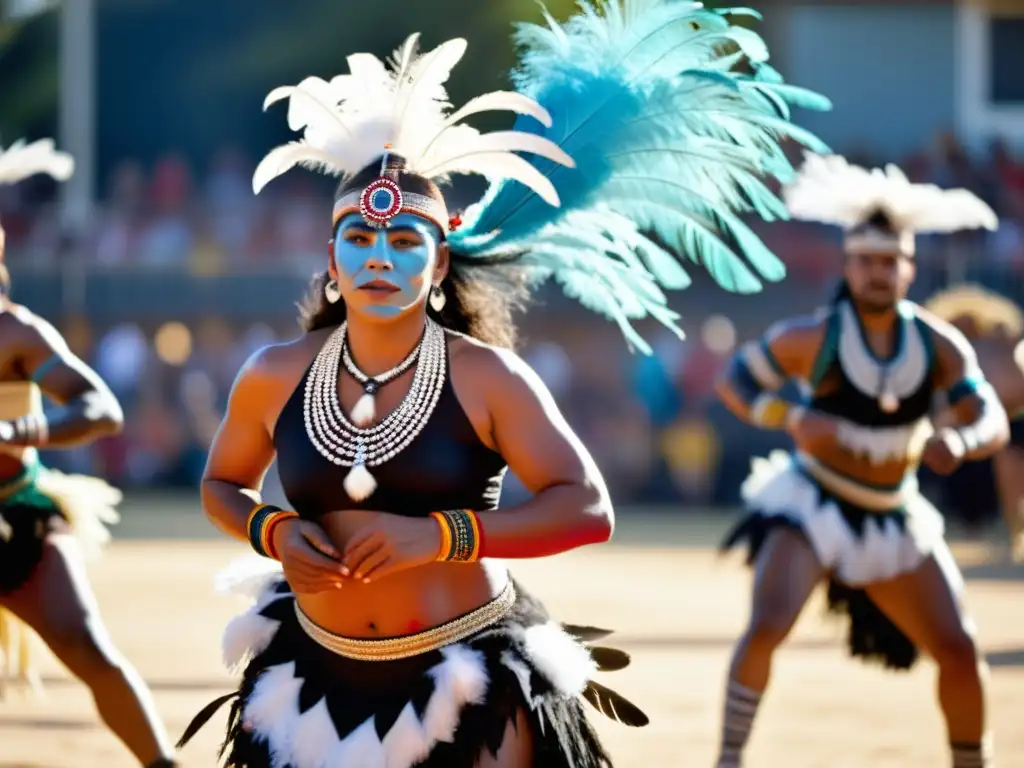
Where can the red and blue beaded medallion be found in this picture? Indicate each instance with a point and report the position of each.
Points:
(380, 202)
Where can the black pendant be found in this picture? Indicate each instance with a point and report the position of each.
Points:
(370, 386)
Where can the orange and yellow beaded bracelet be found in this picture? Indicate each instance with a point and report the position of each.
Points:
(460, 536)
(260, 527)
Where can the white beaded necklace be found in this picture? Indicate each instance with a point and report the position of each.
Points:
(343, 443)
(365, 409)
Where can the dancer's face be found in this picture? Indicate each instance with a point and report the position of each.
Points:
(879, 280)
(386, 273)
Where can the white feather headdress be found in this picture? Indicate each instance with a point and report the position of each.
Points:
(831, 190)
(639, 141)
(402, 106)
(21, 160)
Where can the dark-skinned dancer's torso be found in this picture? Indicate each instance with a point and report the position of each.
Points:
(844, 505)
(50, 522)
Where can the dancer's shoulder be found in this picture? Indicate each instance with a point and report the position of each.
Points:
(948, 340)
(272, 372)
(488, 366)
(797, 332)
(21, 327)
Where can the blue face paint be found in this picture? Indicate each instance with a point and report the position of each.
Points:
(403, 256)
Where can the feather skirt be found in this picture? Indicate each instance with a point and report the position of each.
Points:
(33, 506)
(857, 546)
(302, 706)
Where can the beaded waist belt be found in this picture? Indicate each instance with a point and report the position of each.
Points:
(406, 646)
(871, 499)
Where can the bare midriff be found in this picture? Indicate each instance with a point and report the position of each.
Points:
(17, 399)
(403, 603)
(888, 474)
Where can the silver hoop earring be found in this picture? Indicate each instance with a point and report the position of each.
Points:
(437, 298)
(331, 291)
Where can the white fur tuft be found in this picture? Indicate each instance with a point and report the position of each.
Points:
(362, 747)
(560, 658)
(273, 711)
(834, 191)
(249, 633)
(364, 411)
(247, 576)
(22, 160)
(314, 737)
(459, 680)
(359, 483)
(407, 742)
(310, 740)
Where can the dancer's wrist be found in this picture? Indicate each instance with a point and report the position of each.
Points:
(279, 533)
(460, 536)
(772, 412)
(264, 526)
(32, 430)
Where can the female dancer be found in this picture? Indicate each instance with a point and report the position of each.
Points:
(49, 520)
(995, 327)
(389, 640)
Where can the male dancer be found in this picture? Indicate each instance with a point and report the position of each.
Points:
(845, 505)
(995, 326)
(49, 520)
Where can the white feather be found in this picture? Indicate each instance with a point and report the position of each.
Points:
(248, 576)
(347, 122)
(497, 141)
(272, 709)
(501, 101)
(21, 160)
(314, 737)
(560, 658)
(286, 157)
(498, 164)
(831, 190)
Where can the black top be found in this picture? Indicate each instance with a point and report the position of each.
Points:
(445, 467)
(835, 394)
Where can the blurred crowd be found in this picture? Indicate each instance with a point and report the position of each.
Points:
(650, 421)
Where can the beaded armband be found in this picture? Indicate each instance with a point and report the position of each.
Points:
(460, 536)
(260, 528)
(771, 411)
(32, 430)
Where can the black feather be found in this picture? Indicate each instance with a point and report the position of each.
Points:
(585, 633)
(608, 659)
(203, 717)
(614, 705)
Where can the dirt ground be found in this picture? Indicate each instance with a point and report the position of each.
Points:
(677, 610)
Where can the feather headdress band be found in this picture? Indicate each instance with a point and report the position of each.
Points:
(833, 191)
(641, 149)
(21, 160)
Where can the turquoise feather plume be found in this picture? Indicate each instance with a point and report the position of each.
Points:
(671, 148)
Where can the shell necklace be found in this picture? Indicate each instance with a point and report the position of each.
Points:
(345, 444)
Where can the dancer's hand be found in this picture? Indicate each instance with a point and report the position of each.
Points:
(310, 562)
(813, 431)
(391, 543)
(944, 451)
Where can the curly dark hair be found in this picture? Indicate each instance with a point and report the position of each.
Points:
(480, 294)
